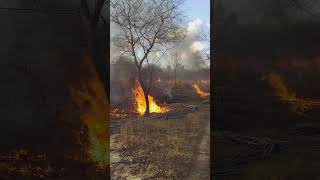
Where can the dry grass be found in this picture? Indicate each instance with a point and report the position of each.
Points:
(162, 149)
(283, 168)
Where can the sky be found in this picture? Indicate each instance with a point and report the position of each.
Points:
(198, 18)
(198, 9)
(197, 13)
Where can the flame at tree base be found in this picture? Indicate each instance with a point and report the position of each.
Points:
(140, 103)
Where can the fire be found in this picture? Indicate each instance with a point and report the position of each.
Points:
(297, 104)
(199, 91)
(118, 113)
(25, 163)
(92, 100)
(141, 104)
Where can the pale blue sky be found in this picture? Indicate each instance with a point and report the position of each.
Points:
(198, 9)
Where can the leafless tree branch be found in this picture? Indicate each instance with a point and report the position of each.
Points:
(146, 27)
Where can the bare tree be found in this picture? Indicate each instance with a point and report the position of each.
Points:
(146, 27)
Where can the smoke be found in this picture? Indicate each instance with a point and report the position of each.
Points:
(168, 92)
(122, 72)
(194, 27)
(115, 52)
(190, 49)
(122, 78)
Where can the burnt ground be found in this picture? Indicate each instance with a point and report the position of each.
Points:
(162, 146)
(256, 136)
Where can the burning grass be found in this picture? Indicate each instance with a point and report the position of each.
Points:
(21, 162)
(161, 149)
(116, 113)
(199, 91)
(92, 101)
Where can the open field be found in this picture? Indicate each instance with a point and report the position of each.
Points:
(163, 147)
(258, 135)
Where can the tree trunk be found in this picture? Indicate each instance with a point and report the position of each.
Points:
(145, 93)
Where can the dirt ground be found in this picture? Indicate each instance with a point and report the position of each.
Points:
(165, 146)
(256, 136)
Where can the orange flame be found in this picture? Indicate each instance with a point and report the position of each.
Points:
(297, 104)
(199, 91)
(141, 104)
(92, 100)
